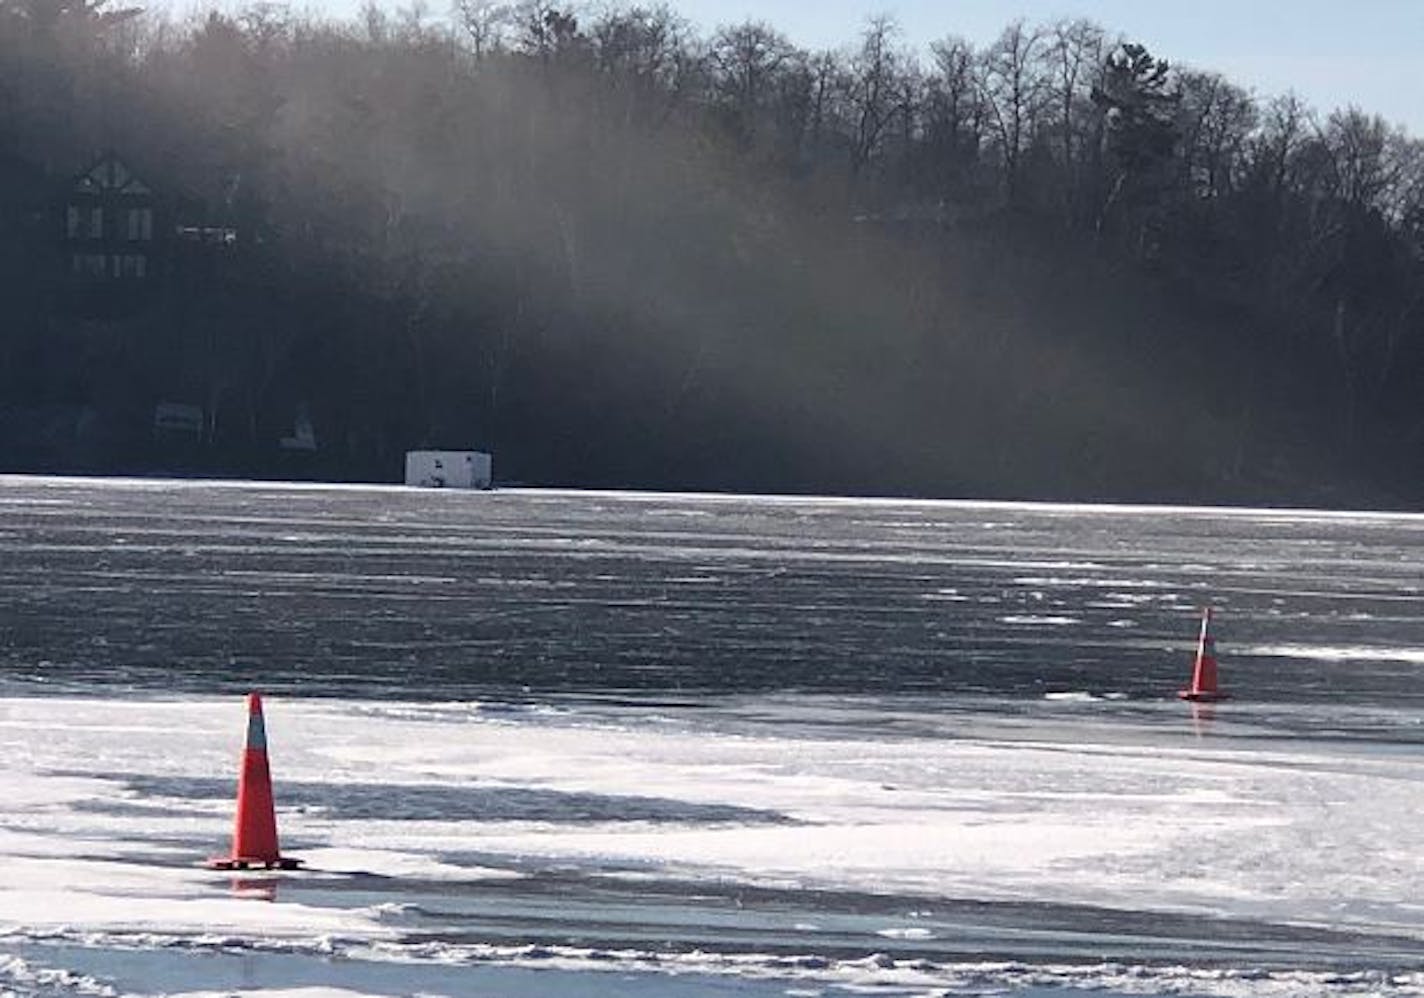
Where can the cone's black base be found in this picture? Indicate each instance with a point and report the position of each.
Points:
(239, 863)
(1203, 696)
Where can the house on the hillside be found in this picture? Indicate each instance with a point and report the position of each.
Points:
(111, 227)
(137, 268)
(121, 238)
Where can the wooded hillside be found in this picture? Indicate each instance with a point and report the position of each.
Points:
(617, 252)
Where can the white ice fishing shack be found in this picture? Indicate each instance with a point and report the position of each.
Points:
(448, 469)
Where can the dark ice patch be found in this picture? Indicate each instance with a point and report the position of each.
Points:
(434, 802)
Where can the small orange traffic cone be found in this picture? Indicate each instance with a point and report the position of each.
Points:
(1203, 685)
(254, 834)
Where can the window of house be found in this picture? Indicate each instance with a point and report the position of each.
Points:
(96, 223)
(140, 224)
(71, 222)
(132, 266)
(89, 265)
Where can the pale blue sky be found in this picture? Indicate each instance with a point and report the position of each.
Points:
(1331, 52)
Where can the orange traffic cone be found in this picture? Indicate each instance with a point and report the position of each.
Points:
(1203, 685)
(254, 835)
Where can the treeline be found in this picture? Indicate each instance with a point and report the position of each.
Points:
(616, 251)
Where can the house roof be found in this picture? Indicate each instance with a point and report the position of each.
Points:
(109, 174)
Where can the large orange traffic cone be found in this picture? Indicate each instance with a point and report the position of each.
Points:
(254, 834)
(1203, 685)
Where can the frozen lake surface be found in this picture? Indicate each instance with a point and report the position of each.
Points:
(541, 743)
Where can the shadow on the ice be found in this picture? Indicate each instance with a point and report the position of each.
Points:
(431, 802)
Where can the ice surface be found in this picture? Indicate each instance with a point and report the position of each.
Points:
(576, 743)
(1324, 836)
(1328, 653)
(273, 993)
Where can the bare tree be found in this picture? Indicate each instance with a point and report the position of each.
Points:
(1218, 119)
(1013, 90)
(878, 88)
(827, 81)
(1360, 170)
(1404, 200)
(648, 55)
(953, 114)
(487, 23)
(1285, 126)
(1073, 57)
(745, 60)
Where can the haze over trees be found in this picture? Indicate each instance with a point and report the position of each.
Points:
(616, 251)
